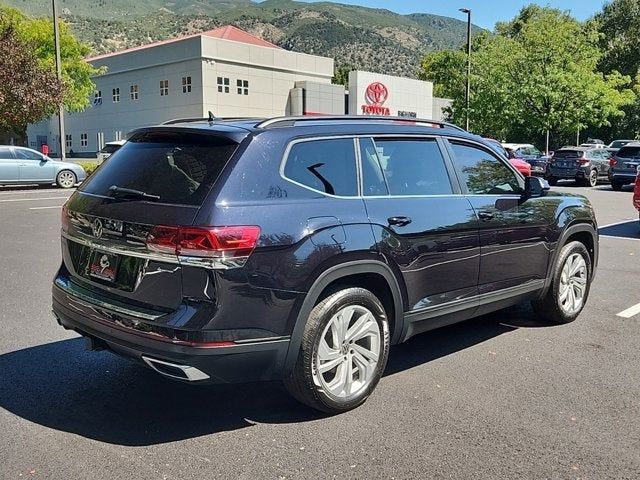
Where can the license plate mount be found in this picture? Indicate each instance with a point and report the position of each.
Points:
(103, 266)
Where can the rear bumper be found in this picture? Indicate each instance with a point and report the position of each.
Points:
(622, 177)
(246, 361)
(567, 173)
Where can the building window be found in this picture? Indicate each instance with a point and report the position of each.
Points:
(83, 140)
(68, 140)
(243, 87)
(133, 92)
(223, 85)
(164, 88)
(97, 97)
(186, 84)
(116, 95)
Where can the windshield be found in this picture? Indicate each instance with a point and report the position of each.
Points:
(177, 167)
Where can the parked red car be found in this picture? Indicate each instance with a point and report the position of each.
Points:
(522, 166)
(636, 193)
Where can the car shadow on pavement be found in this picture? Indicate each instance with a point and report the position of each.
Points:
(106, 398)
(630, 229)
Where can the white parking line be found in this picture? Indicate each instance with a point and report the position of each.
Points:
(630, 312)
(44, 208)
(33, 199)
(34, 192)
(617, 223)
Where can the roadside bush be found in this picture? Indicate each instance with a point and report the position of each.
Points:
(89, 167)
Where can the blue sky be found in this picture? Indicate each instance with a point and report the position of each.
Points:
(485, 12)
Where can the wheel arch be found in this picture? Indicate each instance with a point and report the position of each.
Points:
(344, 275)
(583, 232)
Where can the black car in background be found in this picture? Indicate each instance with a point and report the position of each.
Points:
(585, 165)
(624, 166)
(301, 248)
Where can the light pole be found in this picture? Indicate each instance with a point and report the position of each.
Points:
(56, 37)
(468, 93)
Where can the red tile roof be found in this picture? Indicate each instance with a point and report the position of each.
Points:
(237, 35)
(227, 32)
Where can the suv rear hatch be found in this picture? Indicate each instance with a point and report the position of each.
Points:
(626, 160)
(161, 176)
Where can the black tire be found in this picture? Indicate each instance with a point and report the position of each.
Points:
(616, 186)
(548, 307)
(553, 181)
(301, 383)
(66, 179)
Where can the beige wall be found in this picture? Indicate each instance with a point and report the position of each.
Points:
(271, 74)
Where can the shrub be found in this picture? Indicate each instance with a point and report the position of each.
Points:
(89, 167)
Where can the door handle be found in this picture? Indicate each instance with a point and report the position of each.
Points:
(399, 221)
(485, 215)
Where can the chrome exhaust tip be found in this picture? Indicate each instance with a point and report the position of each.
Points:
(174, 370)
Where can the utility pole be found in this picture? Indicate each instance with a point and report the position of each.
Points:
(468, 93)
(56, 36)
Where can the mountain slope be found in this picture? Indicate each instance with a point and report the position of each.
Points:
(364, 38)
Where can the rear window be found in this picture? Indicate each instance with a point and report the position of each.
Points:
(569, 154)
(179, 168)
(629, 152)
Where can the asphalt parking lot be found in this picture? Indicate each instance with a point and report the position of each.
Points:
(502, 396)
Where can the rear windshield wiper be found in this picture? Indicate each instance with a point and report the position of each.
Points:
(121, 192)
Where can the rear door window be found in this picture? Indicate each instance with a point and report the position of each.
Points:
(180, 168)
(326, 165)
(409, 166)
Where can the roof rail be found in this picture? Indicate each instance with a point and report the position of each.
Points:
(208, 119)
(293, 120)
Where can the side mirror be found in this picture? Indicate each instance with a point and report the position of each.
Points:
(535, 187)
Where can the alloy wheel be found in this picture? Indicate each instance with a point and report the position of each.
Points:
(573, 284)
(348, 352)
(66, 179)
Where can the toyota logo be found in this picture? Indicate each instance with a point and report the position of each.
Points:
(96, 228)
(376, 93)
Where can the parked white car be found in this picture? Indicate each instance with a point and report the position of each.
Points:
(109, 149)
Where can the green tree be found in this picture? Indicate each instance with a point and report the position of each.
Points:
(537, 73)
(28, 91)
(619, 26)
(341, 76)
(77, 73)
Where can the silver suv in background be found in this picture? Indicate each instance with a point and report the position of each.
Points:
(24, 166)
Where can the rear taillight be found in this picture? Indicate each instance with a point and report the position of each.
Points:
(64, 218)
(208, 242)
(613, 161)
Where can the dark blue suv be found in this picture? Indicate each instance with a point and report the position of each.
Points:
(301, 248)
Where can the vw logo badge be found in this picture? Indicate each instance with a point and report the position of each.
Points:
(96, 228)
(376, 93)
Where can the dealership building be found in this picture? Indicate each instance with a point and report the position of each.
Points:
(231, 73)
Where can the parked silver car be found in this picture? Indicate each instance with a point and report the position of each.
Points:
(20, 165)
